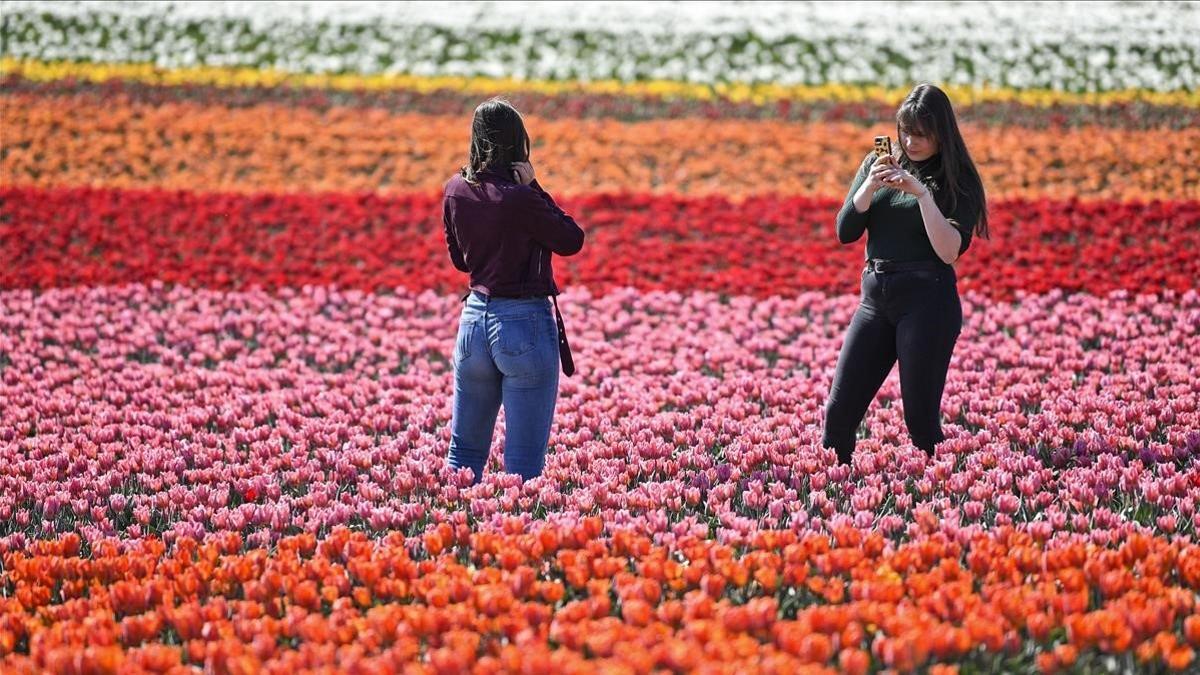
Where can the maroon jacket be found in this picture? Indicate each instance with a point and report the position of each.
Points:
(502, 233)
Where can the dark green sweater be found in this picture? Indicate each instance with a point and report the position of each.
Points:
(895, 230)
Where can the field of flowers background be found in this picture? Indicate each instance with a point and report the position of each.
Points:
(226, 314)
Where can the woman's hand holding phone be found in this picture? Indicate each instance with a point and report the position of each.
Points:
(883, 168)
(523, 172)
(887, 172)
(894, 176)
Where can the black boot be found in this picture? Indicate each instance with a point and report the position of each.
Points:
(845, 456)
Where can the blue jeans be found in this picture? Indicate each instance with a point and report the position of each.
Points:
(506, 353)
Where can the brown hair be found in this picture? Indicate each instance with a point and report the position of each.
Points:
(498, 139)
(927, 110)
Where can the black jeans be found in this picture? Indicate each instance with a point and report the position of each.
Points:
(914, 316)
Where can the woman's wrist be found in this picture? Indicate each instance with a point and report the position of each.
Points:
(862, 198)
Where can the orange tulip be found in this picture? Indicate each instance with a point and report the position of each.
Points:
(103, 660)
(449, 661)
(306, 595)
(736, 619)
(186, 621)
(678, 655)
(835, 591)
(636, 612)
(713, 585)
(1039, 625)
(670, 612)
(767, 578)
(1191, 630)
(854, 661)
(592, 526)
(1180, 659)
(816, 648)
(1047, 663)
(600, 644)
(1066, 655)
(852, 635)
(361, 597)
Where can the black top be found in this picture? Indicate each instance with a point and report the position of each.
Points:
(502, 234)
(895, 228)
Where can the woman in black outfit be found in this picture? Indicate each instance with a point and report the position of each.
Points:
(920, 207)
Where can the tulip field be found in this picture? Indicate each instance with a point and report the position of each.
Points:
(227, 317)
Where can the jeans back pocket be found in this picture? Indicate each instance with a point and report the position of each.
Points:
(516, 335)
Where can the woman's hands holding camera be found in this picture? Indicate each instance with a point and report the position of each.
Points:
(523, 172)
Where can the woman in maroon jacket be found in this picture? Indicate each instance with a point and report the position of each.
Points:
(501, 228)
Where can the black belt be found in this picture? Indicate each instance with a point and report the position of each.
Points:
(878, 266)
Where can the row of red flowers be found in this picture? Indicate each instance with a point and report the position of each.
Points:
(555, 598)
(760, 247)
(1131, 115)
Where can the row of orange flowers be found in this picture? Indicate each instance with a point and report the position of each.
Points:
(559, 599)
(68, 140)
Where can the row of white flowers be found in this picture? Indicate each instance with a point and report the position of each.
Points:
(1073, 46)
(1085, 21)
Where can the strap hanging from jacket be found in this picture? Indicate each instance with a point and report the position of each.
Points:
(564, 347)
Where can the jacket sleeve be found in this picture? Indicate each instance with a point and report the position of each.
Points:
(850, 223)
(545, 222)
(456, 255)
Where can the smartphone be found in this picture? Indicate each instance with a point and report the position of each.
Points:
(883, 146)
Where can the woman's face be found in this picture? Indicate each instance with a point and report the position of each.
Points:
(917, 146)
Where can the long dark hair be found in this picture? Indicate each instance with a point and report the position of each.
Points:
(498, 138)
(927, 110)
